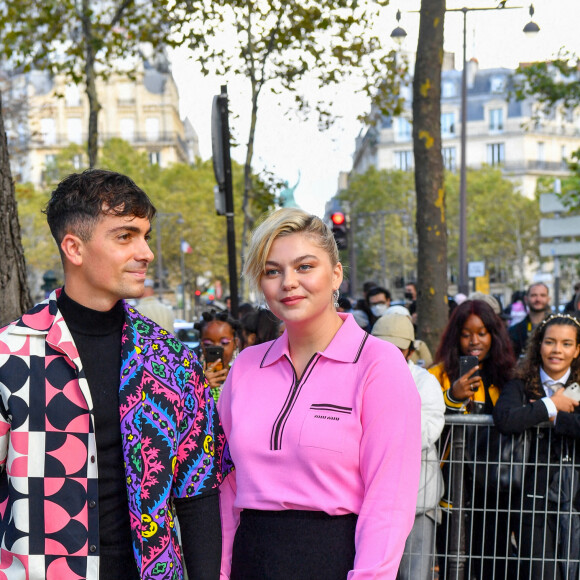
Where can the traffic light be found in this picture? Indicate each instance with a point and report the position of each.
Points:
(339, 229)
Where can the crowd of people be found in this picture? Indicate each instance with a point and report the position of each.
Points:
(306, 441)
(507, 345)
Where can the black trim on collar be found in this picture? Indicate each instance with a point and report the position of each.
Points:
(267, 352)
(360, 348)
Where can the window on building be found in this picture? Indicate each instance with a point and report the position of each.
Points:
(404, 160)
(77, 161)
(155, 157)
(448, 89)
(541, 153)
(450, 158)
(48, 131)
(407, 93)
(126, 93)
(402, 128)
(496, 153)
(564, 156)
(152, 129)
(74, 130)
(72, 95)
(50, 172)
(127, 128)
(496, 120)
(447, 124)
(497, 84)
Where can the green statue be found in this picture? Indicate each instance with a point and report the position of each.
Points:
(287, 194)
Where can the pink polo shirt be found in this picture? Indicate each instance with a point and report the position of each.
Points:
(344, 438)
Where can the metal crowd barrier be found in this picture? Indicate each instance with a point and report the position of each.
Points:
(502, 516)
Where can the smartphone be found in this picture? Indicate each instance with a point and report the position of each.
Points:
(573, 391)
(213, 353)
(466, 363)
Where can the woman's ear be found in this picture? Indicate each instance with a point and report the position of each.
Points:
(251, 339)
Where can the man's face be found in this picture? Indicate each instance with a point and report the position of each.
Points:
(538, 298)
(379, 299)
(112, 264)
(411, 292)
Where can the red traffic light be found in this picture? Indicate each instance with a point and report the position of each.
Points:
(198, 292)
(337, 218)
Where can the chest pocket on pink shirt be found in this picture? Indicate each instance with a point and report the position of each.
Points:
(324, 427)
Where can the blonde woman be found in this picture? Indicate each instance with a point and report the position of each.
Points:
(323, 423)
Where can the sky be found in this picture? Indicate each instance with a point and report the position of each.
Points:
(290, 146)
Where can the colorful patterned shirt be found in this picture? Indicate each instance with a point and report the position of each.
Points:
(173, 447)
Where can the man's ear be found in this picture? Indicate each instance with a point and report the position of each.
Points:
(71, 247)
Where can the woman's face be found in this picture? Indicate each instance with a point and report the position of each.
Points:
(219, 333)
(299, 279)
(558, 349)
(474, 338)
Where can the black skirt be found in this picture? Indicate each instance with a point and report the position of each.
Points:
(293, 545)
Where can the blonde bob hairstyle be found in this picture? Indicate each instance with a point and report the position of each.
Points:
(280, 223)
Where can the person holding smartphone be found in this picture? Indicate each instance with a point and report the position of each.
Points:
(324, 425)
(474, 330)
(542, 390)
(219, 335)
(476, 334)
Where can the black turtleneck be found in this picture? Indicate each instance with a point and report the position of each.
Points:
(97, 336)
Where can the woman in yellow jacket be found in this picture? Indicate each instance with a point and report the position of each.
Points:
(475, 329)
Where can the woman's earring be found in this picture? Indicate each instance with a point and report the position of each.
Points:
(335, 295)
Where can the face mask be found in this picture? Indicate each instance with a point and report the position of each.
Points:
(379, 309)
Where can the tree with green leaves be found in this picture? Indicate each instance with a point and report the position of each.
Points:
(505, 240)
(555, 86)
(381, 207)
(13, 283)
(82, 40)
(279, 43)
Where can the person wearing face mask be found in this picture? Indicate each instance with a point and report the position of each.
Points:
(411, 300)
(378, 300)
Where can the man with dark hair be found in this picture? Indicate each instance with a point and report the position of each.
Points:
(411, 299)
(378, 300)
(107, 428)
(538, 304)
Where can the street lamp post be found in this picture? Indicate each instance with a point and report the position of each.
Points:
(463, 281)
(399, 34)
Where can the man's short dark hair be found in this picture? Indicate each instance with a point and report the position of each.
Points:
(79, 201)
(369, 286)
(537, 284)
(379, 290)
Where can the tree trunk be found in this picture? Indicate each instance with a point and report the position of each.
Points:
(13, 285)
(91, 86)
(431, 227)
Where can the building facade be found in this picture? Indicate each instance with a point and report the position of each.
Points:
(51, 113)
(500, 131)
